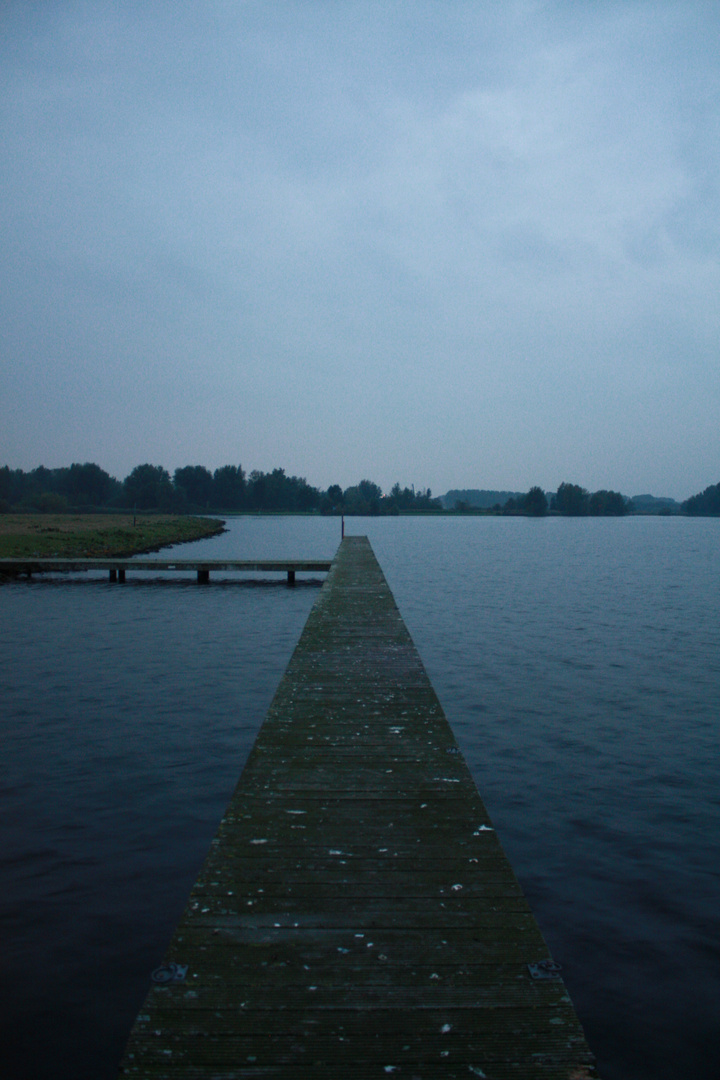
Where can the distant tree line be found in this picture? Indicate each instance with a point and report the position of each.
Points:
(195, 489)
(706, 503)
(571, 500)
(55, 490)
(575, 501)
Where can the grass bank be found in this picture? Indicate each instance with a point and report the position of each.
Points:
(97, 536)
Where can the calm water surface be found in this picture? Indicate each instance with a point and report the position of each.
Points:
(578, 662)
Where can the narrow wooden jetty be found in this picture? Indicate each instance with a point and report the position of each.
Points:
(356, 916)
(117, 568)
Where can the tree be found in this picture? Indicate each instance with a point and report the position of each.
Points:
(571, 499)
(276, 491)
(197, 483)
(306, 497)
(363, 499)
(706, 503)
(535, 502)
(370, 491)
(408, 499)
(257, 490)
(12, 485)
(88, 485)
(229, 491)
(148, 487)
(42, 479)
(607, 504)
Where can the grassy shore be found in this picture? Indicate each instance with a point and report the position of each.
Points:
(97, 536)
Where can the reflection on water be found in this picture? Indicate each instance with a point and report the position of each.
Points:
(578, 661)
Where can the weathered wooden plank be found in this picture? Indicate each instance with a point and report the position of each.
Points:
(404, 947)
(351, 1060)
(356, 915)
(375, 1016)
(279, 892)
(353, 1065)
(355, 970)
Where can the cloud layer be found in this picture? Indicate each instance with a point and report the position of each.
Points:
(455, 245)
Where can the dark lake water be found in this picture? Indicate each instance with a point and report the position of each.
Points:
(578, 662)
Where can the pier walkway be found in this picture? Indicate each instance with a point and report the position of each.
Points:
(356, 916)
(117, 568)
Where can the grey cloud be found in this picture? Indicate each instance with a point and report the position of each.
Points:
(364, 237)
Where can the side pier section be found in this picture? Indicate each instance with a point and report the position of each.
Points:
(356, 916)
(117, 568)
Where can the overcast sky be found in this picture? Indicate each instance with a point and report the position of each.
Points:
(455, 244)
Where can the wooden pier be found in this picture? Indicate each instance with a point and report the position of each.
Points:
(117, 568)
(356, 916)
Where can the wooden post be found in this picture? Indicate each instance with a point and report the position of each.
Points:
(113, 575)
(203, 577)
(291, 577)
(121, 575)
(342, 528)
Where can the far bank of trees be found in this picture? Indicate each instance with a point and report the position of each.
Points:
(56, 490)
(570, 500)
(574, 501)
(195, 489)
(706, 503)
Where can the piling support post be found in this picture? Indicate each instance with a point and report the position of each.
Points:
(113, 575)
(121, 575)
(291, 577)
(203, 577)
